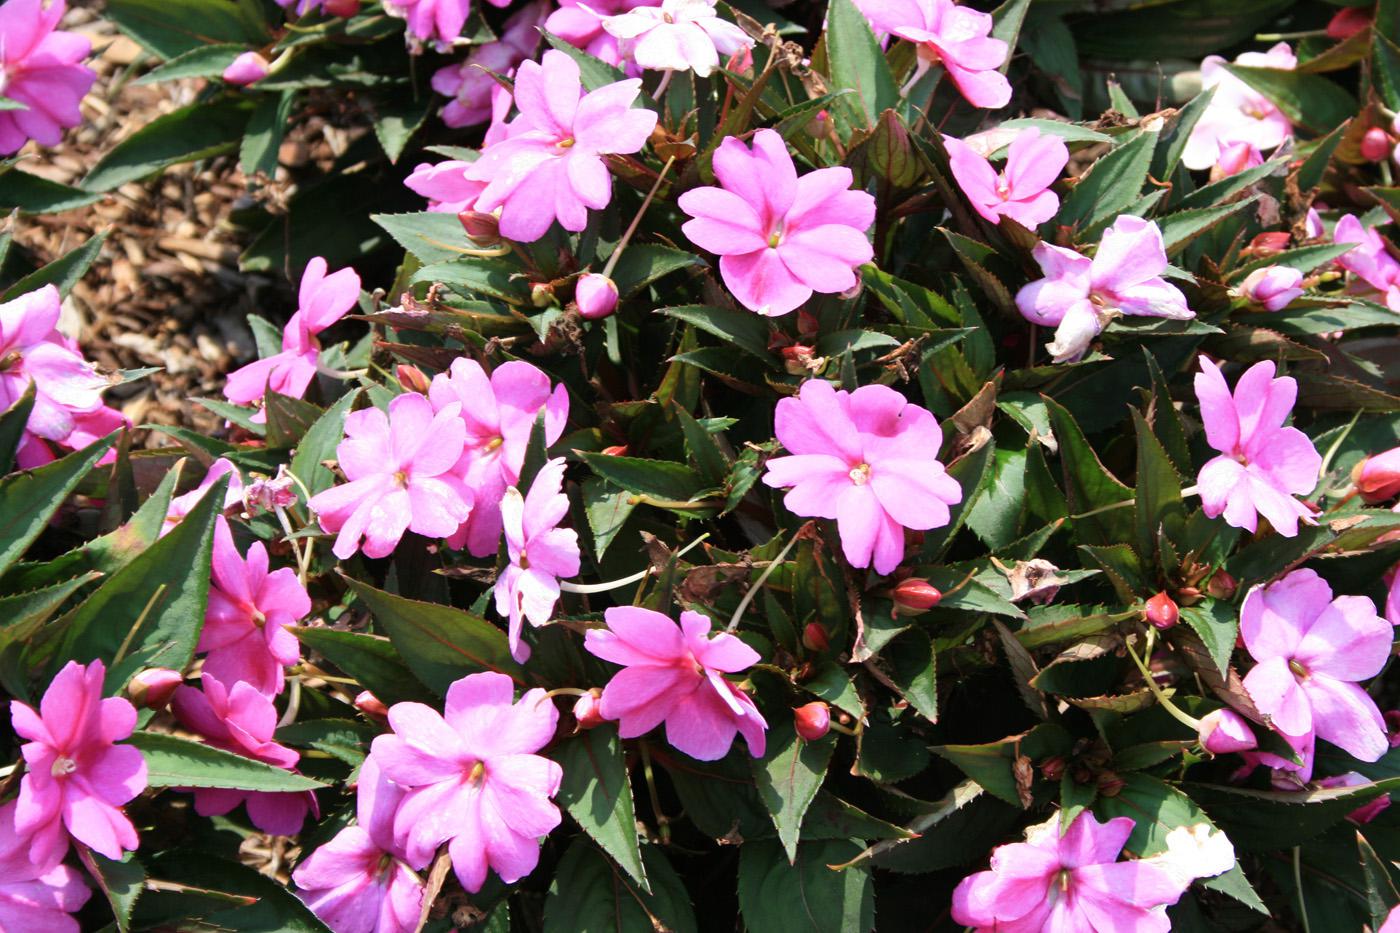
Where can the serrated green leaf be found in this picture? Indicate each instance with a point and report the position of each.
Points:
(1261, 821)
(1309, 100)
(805, 896)
(1114, 182)
(788, 776)
(431, 236)
(704, 452)
(206, 61)
(288, 419)
(644, 263)
(473, 275)
(171, 28)
(745, 330)
(13, 421)
(660, 478)
(914, 671)
(176, 762)
(63, 273)
(1089, 486)
(120, 882)
(857, 62)
(319, 443)
(1218, 625)
(370, 659)
(28, 499)
(197, 131)
(587, 895)
(598, 795)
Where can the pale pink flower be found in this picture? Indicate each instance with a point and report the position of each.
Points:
(76, 777)
(1223, 731)
(446, 185)
(1239, 123)
(1392, 919)
(541, 553)
(1235, 158)
(956, 37)
(1262, 464)
(438, 22)
(248, 68)
(595, 295)
(675, 674)
(1273, 287)
(1369, 260)
(247, 625)
(1079, 296)
(1022, 190)
(358, 882)
(1071, 883)
(581, 25)
(678, 35)
(779, 237)
(472, 779)
(551, 167)
(869, 460)
(182, 505)
(322, 300)
(270, 493)
(1312, 649)
(472, 89)
(1367, 811)
(499, 412)
(40, 68)
(35, 898)
(399, 468)
(242, 721)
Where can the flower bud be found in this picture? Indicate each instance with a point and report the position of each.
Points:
(1223, 731)
(1162, 611)
(1377, 478)
(482, 229)
(616, 450)
(1221, 585)
(916, 595)
(153, 687)
(1347, 22)
(371, 706)
(1375, 145)
(596, 296)
(1268, 243)
(246, 69)
(1053, 768)
(813, 720)
(1235, 159)
(412, 378)
(814, 637)
(798, 360)
(1273, 287)
(819, 127)
(542, 295)
(588, 710)
(1110, 784)
(342, 8)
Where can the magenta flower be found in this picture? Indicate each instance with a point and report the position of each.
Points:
(1273, 288)
(956, 37)
(399, 468)
(551, 167)
(1238, 120)
(77, 778)
(40, 68)
(1022, 190)
(446, 185)
(322, 300)
(35, 898)
(869, 460)
(677, 35)
(1392, 598)
(1079, 296)
(1262, 464)
(1223, 731)
(182, 505)
(472, 778)
(1369, 260)
(474, 93)
(499, 412)
(541, 553)
(1072, 883)
(358, 882)
(247, 626)
(437, 21)
(674, 674)
(242, 720)
(248, 68)
(1312, 649)
(779, 237)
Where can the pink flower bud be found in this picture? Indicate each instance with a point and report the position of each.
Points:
(342, 8)
(153, 687)
(1162, 611)
(1224, 731)
(1375, 145)
(1367, 811)
(1273, 287)
(616, 450)
(916, 595)
(412, 378)
(482, 229)
(1269, 242)
(1347, 22)
(1377, 477)
(813, 720)
(596, 296)
(588, 710)
(1221, 585)
(814, 637)
(246, 69)
(371, 706)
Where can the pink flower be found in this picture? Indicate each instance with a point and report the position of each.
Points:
(247, 626)
(596, 295)
(1367, 811)
(1392, 604)
(1312, 649)
(35, 898)
(1262, 464)
(1239, 123)
(446, 185)
(471, 778)
(1022, 191)
(1272, 287)
(1072, 883)
(499, 412)
(39, 68)
(551, 167)
(867, 459)
(1079, 296)
(248, 68)
(358, 882)
(437, 21)
(474, 92)
(1392, 919)
(581, 25)
(1377, 477)
(399, 468)
(673, 674)
(77, 778)
(678, 35)
(1369, 260)
(182, 505)
(1224, 731)
(540, 552)
(242, 720)
(322, 300)
(779, 237)
(956, 37)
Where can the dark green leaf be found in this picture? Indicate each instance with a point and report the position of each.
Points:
(32, 194)
(29, 499)
(174, 762)
(588, 895)
(857, 62)
(744, 329)
(121, 882)
(473, 275)
(432, 236)
(598, 795)
(266, 129)
(13, 421)
(1265, 820)
(371, 660)
(1309, 100)
(805, 896)
(185, 135)
(660, 478)
(170, 28)
(319, 442)
(1114, 182)
(788, 776)
(644, 263)
(63, 273)
(206, 61)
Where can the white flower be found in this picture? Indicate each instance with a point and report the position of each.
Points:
(679, 35)
(1197, 851)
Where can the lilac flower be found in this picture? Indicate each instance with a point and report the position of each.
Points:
(40, 68)
(674, 675)
(551, 167)
(1273, 288)
(1312, 649)
(1022, 190)
(472, 89)
(956, 37)
(1262, 464)
(35, 898)
(1238, 120)
(541, 553)
(779, 237)
(867, 459)
(471, 778)
(677, 35)
(1079, 296)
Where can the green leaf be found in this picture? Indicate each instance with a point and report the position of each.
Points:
(644, 263)
(31, 194)
(1155, 807)
(222, 895)
(913, 671)
(991, 764)
(1218, 624)
(175, 762)
(1381, 895)
(588, 895)
(1308, 100)
(788, 777)
(430, 236)
(1180, 228)
(1113, 183)
(857, 62)
(1158, 495)
(288, 419)
(121, 882)
(660, 478)
(371, 660)
(63, 273)
(319, 443)
(257, 153)
(473, 275)
(805, 896)
(1172, 143)
(1314, 167)
(745, 330)
(398, 113)
(343, 739)
(207, 61)
(972, 472)
(439, 644)
(170, 28)
(13, 421)
(185, 135)
(1087, 484)
(594, 72)
(704, 452)
(598, 795)
(29, 499)
(608, 509)
(1262, 821)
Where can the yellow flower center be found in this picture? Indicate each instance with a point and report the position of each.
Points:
(860, 475)
(62, 767)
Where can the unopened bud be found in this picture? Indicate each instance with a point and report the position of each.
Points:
(1375, 145)
(153, 687)
(246, 69)
(1347, 22)
(412, 378)
(1162, 611)
(1268, 243)
(482, 229)
(542, 295)
(1224, 731)
(1053, 768)
(813, 721)
(916, 595)
(814, 637)
(819, 127)
(1221, 585)
(588, 710)
(595, 295)
(1377, 478)
(342, 8)
(371, 706)
(1273, 288)
(1109, 784)
(616, 450)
